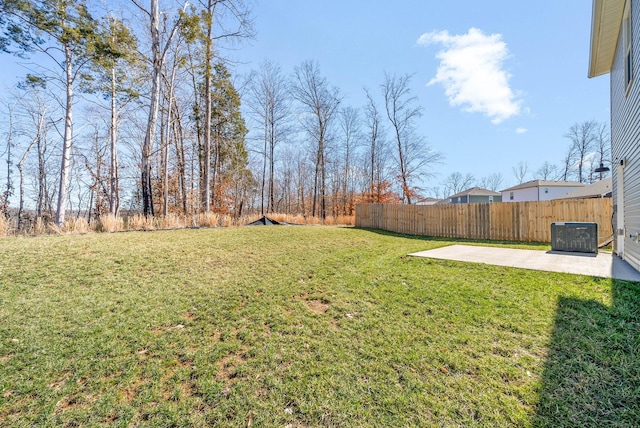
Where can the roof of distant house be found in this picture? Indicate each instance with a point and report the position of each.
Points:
(544, 183)
(475, 191)
(599, 189)
(428, 201)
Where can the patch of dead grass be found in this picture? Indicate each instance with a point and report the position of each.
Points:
(317, 306)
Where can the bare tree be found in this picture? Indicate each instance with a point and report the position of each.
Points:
(456, 182)
(547, 171)
(413, 155)
(166, 127)
(37, 110)
(582, 137)
(491, 182)
(350, 127)
(65, 32)
(320, 104)
(568, 162)
(115, 78)
(376, 151)
(436, 192)
(159, 49)
(11, 131)
(521, 171)
(269, 105)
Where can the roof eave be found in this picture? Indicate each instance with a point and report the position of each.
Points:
(606, 20)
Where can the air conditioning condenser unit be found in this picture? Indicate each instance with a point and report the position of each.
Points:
(579, 237)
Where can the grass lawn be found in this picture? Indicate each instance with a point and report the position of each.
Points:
(304, 326)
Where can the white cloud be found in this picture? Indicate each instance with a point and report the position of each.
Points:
(471, 71)
(521, 130)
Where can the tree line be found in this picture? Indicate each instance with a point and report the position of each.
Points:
(588, 150)
(134, 108)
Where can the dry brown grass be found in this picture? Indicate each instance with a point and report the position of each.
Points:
(300, 219)
(227, 221)
(6, 226)
(172, 221)
(40, 227)
(246, 219)
(140, 222)
(205, 220)
(78, 225)
(110, 223)
(347, 220)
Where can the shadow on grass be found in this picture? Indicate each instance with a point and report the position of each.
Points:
(541, 245)
(592, 374)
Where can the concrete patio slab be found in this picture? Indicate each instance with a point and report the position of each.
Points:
(604, 265)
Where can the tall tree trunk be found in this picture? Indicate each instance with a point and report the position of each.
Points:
(147, 189)
(9, 188)
(20, 165)
(264, 171)
(42, 181)
(403, 173)
(68, 135)
(206, 200)
(197, 109)
(164, 157)
(315, 185)
(114, 194)
(272, 145)
(179, 141)
(323, 202)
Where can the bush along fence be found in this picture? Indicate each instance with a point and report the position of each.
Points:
(506, 221)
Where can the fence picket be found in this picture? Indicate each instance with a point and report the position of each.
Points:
(509, 221)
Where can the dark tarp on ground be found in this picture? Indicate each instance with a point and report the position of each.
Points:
(263, 221)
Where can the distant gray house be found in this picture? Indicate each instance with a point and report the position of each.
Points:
(615, 50)
(539, 190)
(475, 195)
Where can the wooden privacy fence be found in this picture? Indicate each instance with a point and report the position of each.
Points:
(505, 221)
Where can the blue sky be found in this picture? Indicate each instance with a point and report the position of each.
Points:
(527, 62)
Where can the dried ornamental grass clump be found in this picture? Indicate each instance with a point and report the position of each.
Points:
(6, 225)
(206, 220)
(226, 221)
(172, 221)
(140, 222)
(110, 223)
(78, 225)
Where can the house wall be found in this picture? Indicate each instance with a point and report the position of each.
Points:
(537, 194)
(521, 195)
(625, 140)
(555, 192)
(478, 199)
(460, 200)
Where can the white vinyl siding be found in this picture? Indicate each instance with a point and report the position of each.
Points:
(625, 137)
(627, 41)
(536, 194)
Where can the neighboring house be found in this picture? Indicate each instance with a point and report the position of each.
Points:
(599, 189)
(539, 190)
(475, 195)
(428, 201)
(615, 49)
